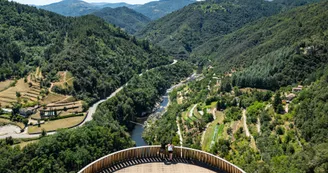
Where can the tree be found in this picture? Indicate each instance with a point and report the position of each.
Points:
(25, 122)
(43, 133)
(9, 140)
(276, 102)
(18, 94)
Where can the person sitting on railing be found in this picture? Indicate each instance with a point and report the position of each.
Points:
(170, 149)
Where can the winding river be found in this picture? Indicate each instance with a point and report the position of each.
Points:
(136, 134)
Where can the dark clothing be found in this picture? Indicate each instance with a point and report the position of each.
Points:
(162, 149)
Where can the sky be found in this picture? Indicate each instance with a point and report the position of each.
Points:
(44, 2)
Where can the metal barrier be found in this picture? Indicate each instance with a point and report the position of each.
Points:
(153, 151)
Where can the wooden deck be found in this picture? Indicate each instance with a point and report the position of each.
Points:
(163, 168)
(157, 165)
(147, 159)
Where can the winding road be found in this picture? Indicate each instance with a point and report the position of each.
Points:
(89, 117)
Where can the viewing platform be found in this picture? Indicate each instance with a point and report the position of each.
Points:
(147, 159)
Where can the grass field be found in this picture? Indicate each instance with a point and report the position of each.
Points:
(52, 97)
(5, 84)
(211, 106)
(211, 130)
(57, 124)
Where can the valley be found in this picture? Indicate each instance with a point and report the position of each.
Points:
(244, 82)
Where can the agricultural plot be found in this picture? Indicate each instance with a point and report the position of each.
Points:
(214, 131)
(8, 96)
(5, 84)
(57, 124)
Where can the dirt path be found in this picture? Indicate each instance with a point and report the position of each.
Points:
(179, 132)
(192, 110)
(287, 108)
(213, 112)
(204, 132)
(258, 125)
(245, 123)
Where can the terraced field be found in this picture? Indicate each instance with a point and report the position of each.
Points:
(9, 95)
(5, 84)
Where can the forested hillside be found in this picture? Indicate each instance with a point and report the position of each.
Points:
(231, 114)
(100, 56)
(276, 51)
(181, 32)
(129, 20)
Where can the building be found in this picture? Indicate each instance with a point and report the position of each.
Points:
(298, 88)
(26, 112)
(290, 97)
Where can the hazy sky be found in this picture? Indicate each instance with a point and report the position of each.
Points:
(44, 2)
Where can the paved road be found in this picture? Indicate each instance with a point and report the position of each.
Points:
(89, 117)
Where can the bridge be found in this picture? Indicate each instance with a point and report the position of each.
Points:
(147, 159)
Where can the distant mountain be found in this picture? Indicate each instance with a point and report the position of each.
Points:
(182, 31)
(157, 9)
(153, 10)
(115, 13)
(71, 7)
(130, 20)
(113, 5)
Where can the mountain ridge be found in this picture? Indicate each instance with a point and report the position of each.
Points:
(124, 17)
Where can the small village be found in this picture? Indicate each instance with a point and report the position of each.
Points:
(27, 104)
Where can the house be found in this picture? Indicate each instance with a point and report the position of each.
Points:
(47, 114)
(26, 112)
(290, 97)
(298, 88)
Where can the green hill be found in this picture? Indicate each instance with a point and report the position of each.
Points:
(276, 51)
(181, 32)
(130, 20)
(100, 56)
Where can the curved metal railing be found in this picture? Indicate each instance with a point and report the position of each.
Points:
(153, 151)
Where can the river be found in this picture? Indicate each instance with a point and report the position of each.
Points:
(136, 133)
